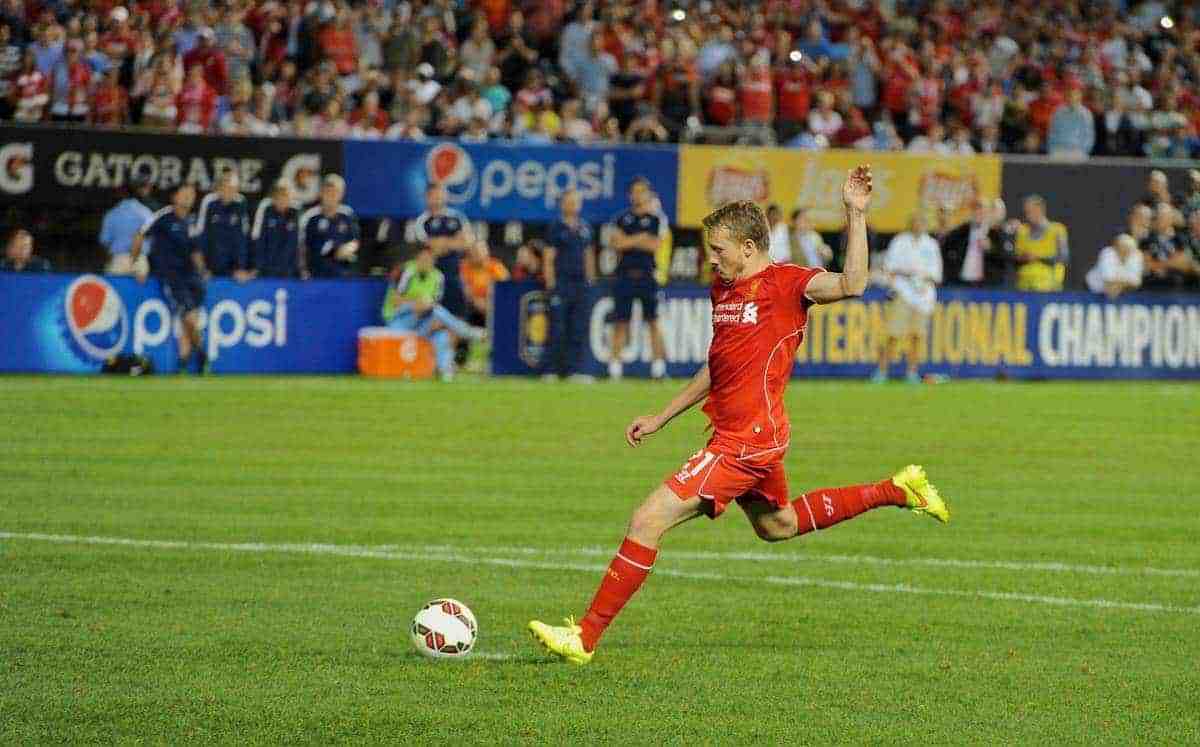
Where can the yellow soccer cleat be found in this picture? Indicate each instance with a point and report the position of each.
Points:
(564, 641)
(923, 497)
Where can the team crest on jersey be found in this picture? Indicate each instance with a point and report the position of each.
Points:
(323, 224)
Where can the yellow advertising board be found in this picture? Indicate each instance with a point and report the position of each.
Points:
(711, 175)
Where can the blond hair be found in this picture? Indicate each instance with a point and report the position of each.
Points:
(743, 219)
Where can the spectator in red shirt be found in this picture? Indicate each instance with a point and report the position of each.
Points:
(110, 102)
(756, 94)
(899, 72)
(196, 103)
(119, 41)
(31, 90)
(854, 128)
(70, 80)
(793, 90)
(677, 88)
(210, 60)
(720, 97)
(1042, 108)
(368, 120)
(337, 43)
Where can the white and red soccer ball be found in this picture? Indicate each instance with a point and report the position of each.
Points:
(444, 629)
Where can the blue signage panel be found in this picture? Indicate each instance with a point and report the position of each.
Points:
(972, 334)
(72, 323)
(503, 182)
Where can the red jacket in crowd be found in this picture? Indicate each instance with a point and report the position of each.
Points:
(195, 105)
(216, 71)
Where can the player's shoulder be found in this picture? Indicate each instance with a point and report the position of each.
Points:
(787, 276)
(346, 210)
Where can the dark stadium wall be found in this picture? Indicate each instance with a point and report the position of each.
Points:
(83, 167)
(1092, 199)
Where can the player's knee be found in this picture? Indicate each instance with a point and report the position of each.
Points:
(773, 532)
(645, 523)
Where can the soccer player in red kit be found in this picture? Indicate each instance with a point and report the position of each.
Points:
(759, 314)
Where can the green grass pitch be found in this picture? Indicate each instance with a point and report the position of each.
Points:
(277, 535)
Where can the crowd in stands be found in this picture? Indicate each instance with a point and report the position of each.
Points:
(1070, 77)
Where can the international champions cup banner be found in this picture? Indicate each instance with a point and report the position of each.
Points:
(72, 323)
(710, 176)
(973, 334)
(504, 182)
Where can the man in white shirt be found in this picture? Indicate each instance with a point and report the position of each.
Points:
(913, 263)
(1118, 269)
(780, 248)
(808, 248)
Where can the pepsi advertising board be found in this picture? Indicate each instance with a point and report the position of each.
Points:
(972, 334)
(503, 182)
(73, 323)
(84, 167)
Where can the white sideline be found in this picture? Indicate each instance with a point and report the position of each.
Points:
(808, 557)
(356, 551)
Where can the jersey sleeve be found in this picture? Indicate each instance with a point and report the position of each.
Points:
(794, 285)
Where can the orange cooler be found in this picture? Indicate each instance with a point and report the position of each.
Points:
(391, 353)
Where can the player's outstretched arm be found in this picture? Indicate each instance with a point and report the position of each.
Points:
(828, 287)
(644, 425)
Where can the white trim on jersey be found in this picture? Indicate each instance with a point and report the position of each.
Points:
(766, 390)
(259, 215)
(154, 218)
(305, 217)
(202, 215)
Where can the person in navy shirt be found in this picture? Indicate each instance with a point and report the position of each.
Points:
(178, 263)
(448, 233)
(636, 237)
(329, 234)
(224, 228)
(275, 235)
(570, 262)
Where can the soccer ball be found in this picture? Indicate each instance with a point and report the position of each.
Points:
(444, 629)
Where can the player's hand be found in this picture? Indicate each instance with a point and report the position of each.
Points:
(640, 428)
(856, 191)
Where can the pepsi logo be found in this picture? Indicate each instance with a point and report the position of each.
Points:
(449, 165)
(96, 316)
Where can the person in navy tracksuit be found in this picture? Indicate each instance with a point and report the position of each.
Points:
(275, 235)
(570, 267)
(448, 233)
(224, 228)
(177, 261)
(637, 235)
(329, 234)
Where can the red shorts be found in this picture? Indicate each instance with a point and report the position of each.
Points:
(719, 476)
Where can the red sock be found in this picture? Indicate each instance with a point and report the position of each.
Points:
(621, 581)
(820, 509)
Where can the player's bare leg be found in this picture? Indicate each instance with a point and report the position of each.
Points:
(658, 367)
(658, 514)
(820, 509)
(619, 336)
(886, 351)
(912, 352)
(190, 341)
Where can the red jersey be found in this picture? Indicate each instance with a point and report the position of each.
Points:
(758, 322)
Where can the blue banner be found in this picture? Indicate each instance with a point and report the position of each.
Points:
(72, 323)
(972, 334)
(503, 182)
